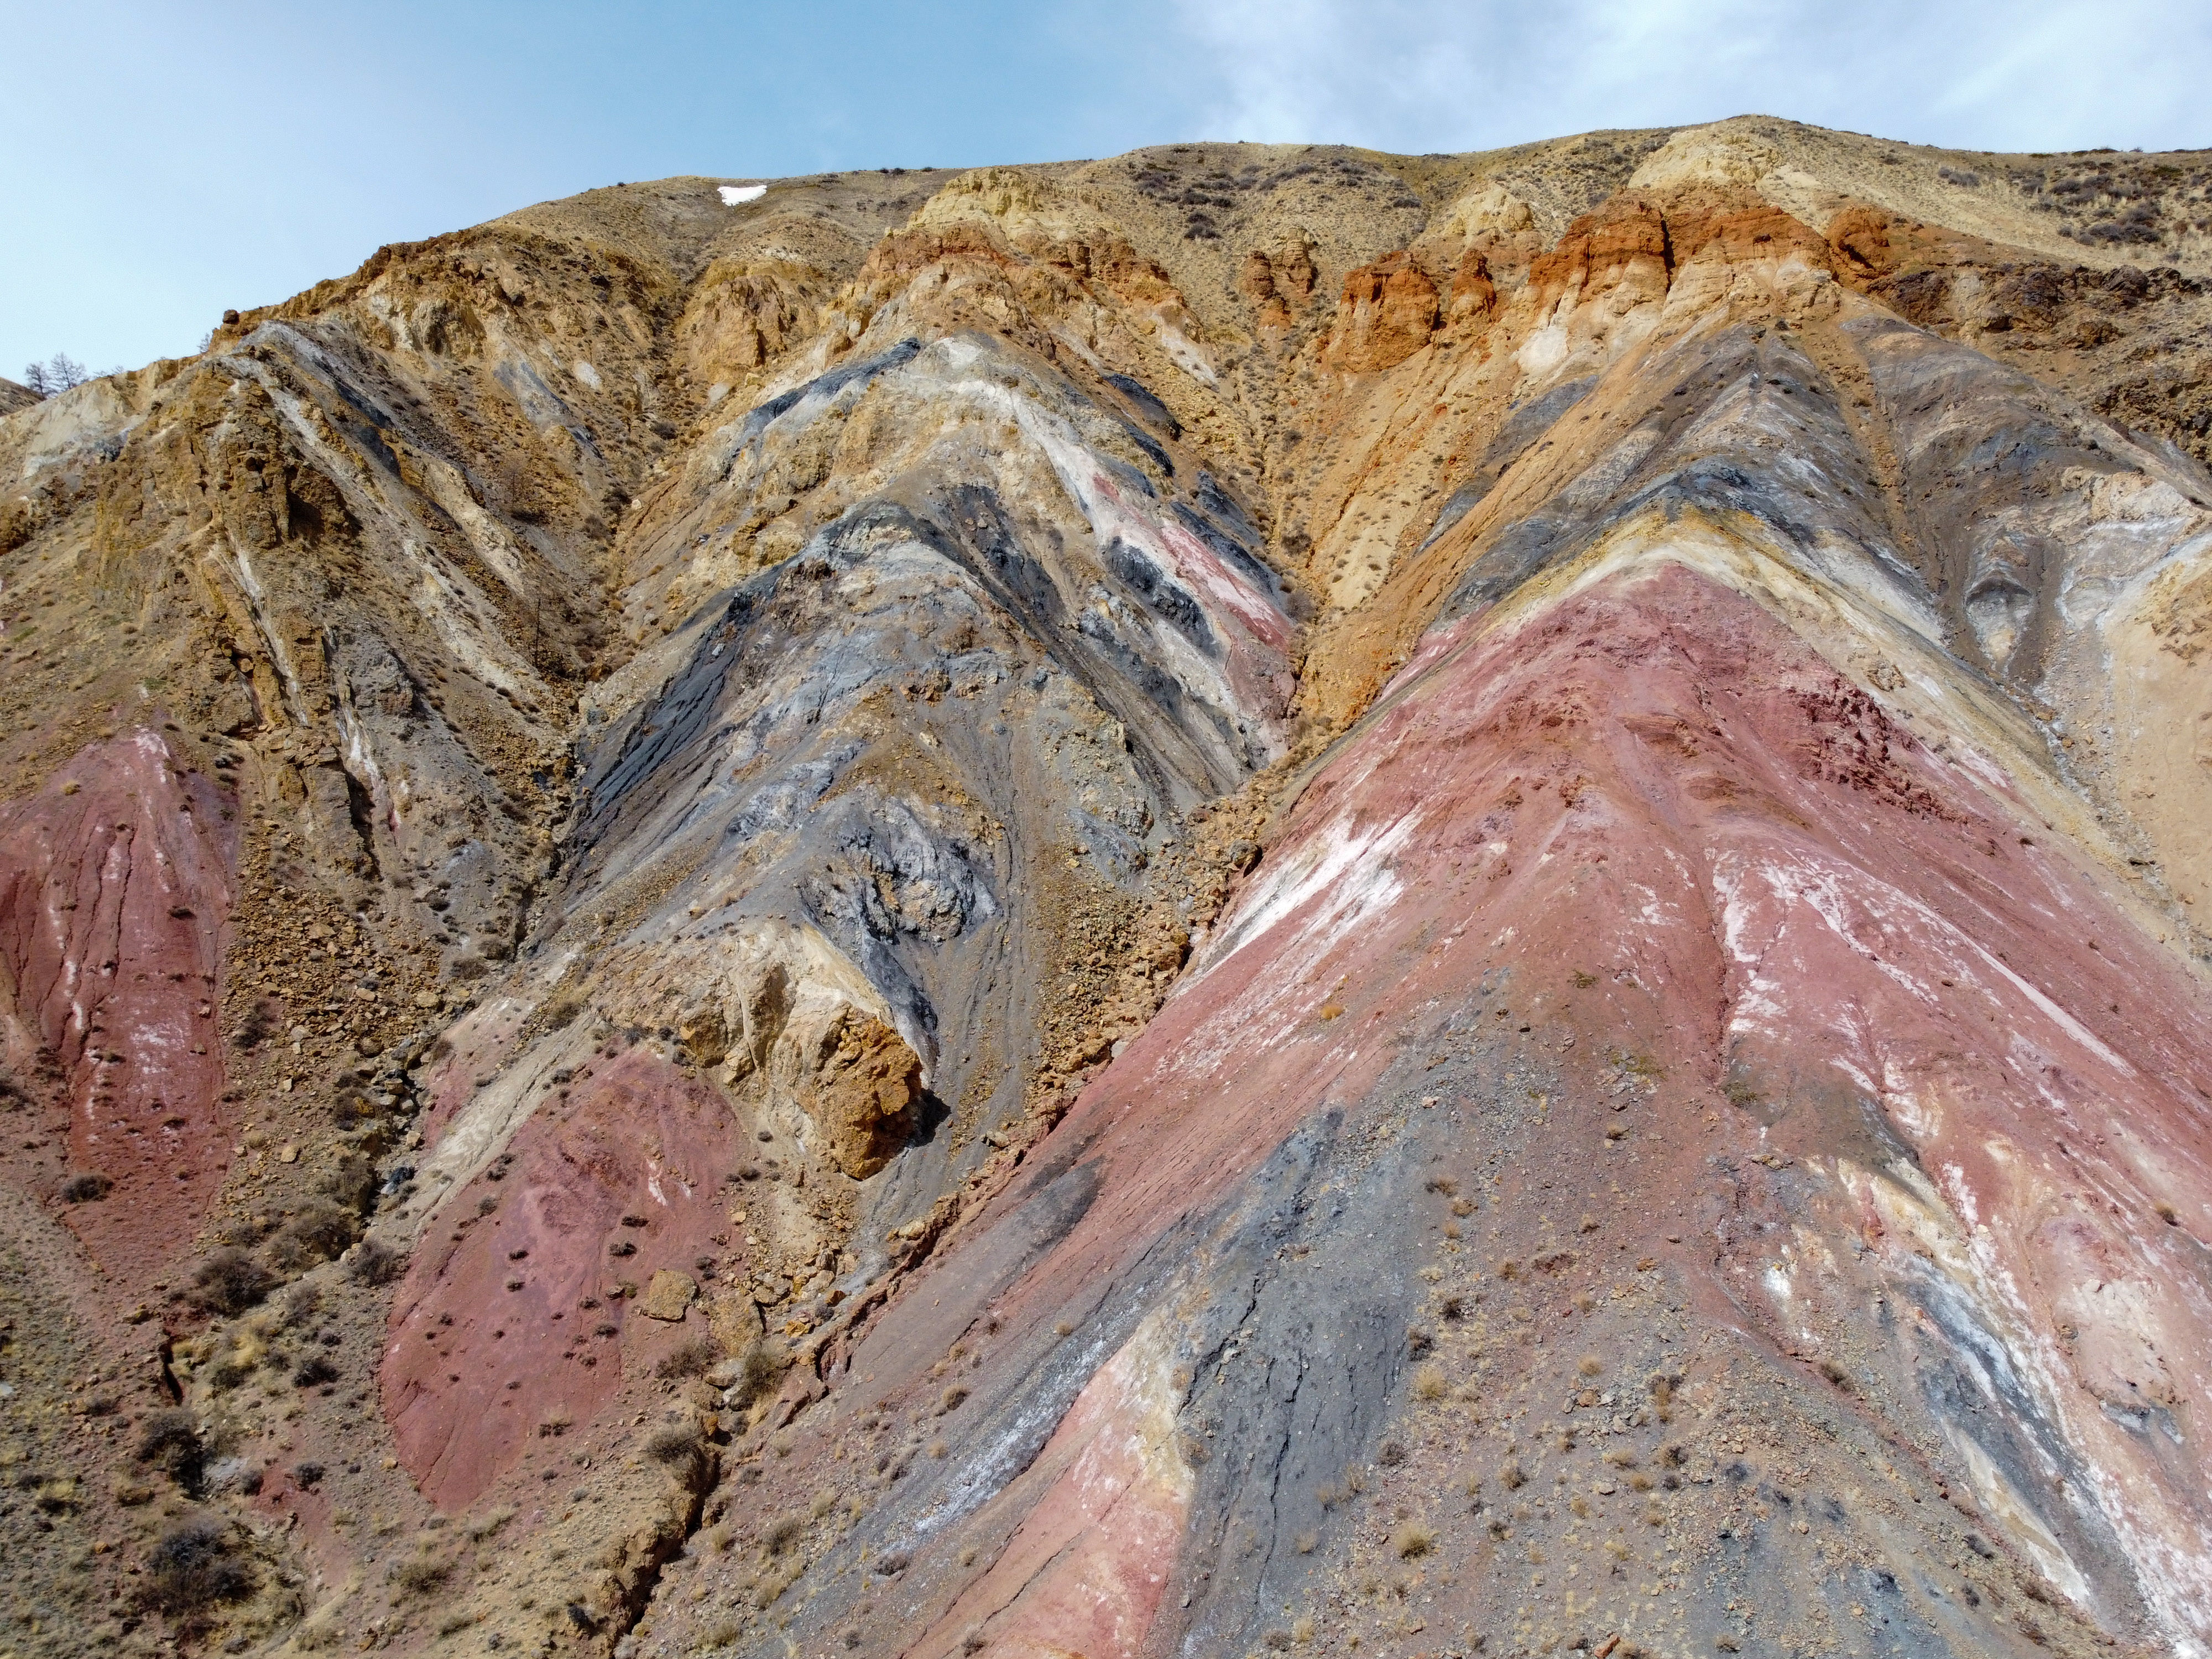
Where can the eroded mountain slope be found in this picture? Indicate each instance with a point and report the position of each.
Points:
(648, 1012)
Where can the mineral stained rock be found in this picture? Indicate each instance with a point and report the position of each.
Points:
(1252, 898)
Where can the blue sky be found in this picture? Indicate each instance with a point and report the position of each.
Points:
(159, 161)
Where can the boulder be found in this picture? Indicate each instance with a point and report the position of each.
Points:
(668, 1295)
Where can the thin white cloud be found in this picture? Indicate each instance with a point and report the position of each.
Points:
(1448, 75)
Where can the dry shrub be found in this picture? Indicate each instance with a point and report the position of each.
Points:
(780, 1534)
(245, 1353)
(56, 1497)
(690, 1358)
(229, 1281)
(1429, 1383)
(192, 1567)
(376, 1262)
(86, 1188)
(1306, 1542)
(560, 1009)
(489, 1523)
(1412, 1540)
(674, 1445)
(1590, 1364)
(254, 1030)
(1510, 1476)
(760, 1369)
(351, 1182)
(170, 1440)
(352, 1109)
(419, 1575)
(318, 1233)
(772, 1584)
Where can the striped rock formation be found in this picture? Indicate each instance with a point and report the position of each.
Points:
(1250, 898)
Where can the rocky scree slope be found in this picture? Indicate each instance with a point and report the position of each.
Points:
(1249, 898)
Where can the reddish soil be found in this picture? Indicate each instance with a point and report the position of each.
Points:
(115, 884)
(510, 1319)
(1649, 835)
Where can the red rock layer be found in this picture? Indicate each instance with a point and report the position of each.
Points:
(512, 1324)
(115, 880)
(1661, 833)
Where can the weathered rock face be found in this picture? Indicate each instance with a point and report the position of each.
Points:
(1387, 315)
(859, 1081)
(115, 885)
(1243, 899)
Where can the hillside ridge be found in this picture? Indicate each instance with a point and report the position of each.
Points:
(1248, 897)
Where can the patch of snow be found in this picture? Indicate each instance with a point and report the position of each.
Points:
(735, 195)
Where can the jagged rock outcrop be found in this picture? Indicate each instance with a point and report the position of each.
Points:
(1250, 898)
(860, 1085)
